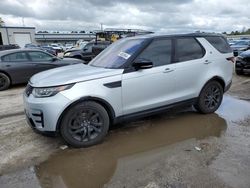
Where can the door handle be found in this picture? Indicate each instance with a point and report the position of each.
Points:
(167, 70)
(7, 65)
(207, 62)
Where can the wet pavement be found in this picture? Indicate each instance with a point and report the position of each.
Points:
(95, 166)
(174, 149)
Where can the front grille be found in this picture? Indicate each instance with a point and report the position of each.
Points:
(28, 90)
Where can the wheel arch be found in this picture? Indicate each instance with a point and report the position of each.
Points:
(100, 101)
(218, 79)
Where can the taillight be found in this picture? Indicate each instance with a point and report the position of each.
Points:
(231, 59)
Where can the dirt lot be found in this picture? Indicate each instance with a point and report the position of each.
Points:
(176, 149)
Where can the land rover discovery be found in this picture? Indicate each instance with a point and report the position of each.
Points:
(133, 77)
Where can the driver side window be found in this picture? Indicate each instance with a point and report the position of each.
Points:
(158, 52)
(39, 56)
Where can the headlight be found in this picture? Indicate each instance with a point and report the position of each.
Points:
(241, 49)
(67, 54)
(49, 91)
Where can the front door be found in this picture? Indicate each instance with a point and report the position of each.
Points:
(150, 88)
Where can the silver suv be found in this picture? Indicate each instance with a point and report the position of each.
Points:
(133, 77)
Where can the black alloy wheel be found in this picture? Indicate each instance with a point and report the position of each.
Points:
(4, 81)
(210, 98)
(85, 124)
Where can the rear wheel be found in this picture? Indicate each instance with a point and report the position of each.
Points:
(85, 124)
(4, 81)
(210, 98)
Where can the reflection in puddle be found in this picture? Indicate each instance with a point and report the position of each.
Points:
(233, 109)
(93, 167)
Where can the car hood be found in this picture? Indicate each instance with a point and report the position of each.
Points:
(245, 54)
(71, 74)
(238, 46)
(73, 50)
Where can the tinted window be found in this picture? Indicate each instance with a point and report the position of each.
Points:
(220, 44)
(188, 49)
(158, 52)
(20, 56)
(39, 56)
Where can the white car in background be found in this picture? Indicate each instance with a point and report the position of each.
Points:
(69, 46)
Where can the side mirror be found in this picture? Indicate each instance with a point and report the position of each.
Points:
(54, 59)
(85, 49)
(142, 64)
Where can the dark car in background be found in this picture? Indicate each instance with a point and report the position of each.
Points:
(240, 46)
(17, 66)
(48, 49)
(88, 52)
(243, 63)
(9, 47)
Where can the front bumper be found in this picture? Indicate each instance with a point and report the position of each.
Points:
(43, 114)
(241, 66)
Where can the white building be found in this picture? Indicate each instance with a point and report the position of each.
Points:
(17, 35)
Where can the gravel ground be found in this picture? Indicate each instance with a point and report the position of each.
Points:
(183, 150)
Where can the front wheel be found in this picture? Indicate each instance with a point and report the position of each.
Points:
(85, 124)
(210, 98)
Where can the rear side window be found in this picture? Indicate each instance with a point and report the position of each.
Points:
(158, 52)
(187, 49)
(15, 57)
(219, 43)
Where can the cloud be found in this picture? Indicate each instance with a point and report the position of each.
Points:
(158, 15)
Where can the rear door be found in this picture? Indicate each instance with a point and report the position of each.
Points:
(150, 88)
(191, 66)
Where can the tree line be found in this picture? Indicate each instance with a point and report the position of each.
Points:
(243, 32)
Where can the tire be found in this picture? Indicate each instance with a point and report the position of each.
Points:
(85, 124)
(239, 72)
(4, 81)
(210, 98)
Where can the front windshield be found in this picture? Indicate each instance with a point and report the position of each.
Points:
(117, 53)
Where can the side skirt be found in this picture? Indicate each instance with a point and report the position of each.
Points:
(153, 111)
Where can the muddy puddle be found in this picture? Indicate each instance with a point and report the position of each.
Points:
(95, 166)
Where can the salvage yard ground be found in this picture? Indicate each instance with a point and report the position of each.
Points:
(175, 149)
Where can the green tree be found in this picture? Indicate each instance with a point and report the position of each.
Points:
(1, 22)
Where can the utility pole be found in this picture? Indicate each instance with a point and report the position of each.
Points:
(101, 26)
(23, 21)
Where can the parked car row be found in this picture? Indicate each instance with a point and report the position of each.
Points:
(88, 51)
(57, 47)
(239, 45)
(48, 49)
(8, 47)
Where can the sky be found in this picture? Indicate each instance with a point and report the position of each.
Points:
(163, 16)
